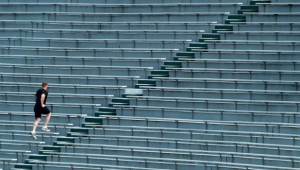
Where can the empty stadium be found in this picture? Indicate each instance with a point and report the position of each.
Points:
(151, 84)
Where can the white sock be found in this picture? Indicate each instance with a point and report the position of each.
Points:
(32, 131)
(44, 127)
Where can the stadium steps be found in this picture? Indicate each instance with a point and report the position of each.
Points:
(91, 122)
(189, 54)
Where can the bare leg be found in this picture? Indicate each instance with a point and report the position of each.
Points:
(36, 122)
(47, 119)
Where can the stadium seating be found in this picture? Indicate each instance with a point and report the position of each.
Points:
(151, 85)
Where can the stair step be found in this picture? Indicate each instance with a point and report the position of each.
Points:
(147, 81)
(242, 17)
(216, 36)
(229, 27)
(161, 72)
(175, 63)
(47, 152)
(113, 104)
(66, 139)
(59, 143)
(101, 113)
(166, 67)
(171, 64)
(52, 148)
(30, 161)
(124, 95)
(24, 166)
(195, 48)
(140, 85)
(185, 54)
(176, 58)
(158, 73)
(199, 50)
(217, 30)
(229, 21)
(76, 134)
(151, 76)
(120, 100)
(209, 39)
(107, 109)
(253, 7)
(254, 2)
(90, 124)
(94, 120)
(38, 157)
(80, 130)
(246, 10)
(204, 45)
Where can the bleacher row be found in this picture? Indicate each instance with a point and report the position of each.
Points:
(151, 85)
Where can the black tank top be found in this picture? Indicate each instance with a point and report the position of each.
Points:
(38, 97)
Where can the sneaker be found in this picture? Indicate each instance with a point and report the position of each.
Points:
(33, 134)
(45, 129)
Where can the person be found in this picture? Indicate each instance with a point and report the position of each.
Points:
(41, 108)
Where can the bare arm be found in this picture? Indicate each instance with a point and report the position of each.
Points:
(42, 100)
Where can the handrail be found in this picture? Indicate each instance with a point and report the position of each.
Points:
(54, 85)
(74, 165)
(68, 75)
(67, 115)
(191, 132)
(123, 5)
(173, 160)
(248, 51)
(79, 57)
(260, 32)
(233, 70)
(116, 14)
(93, 31)
(85, 49)
(272, 14)
(6, 93)
(145, 159)
(200, 163)
(252, 42)
(51, 104)
(202, 110)
(279, 3)
(27, 122)
(250, 91)
(100, 40)
(226, 80)
(212, 100)
(105, 23)
(72, 66)
(265, 23)
(190, 121)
